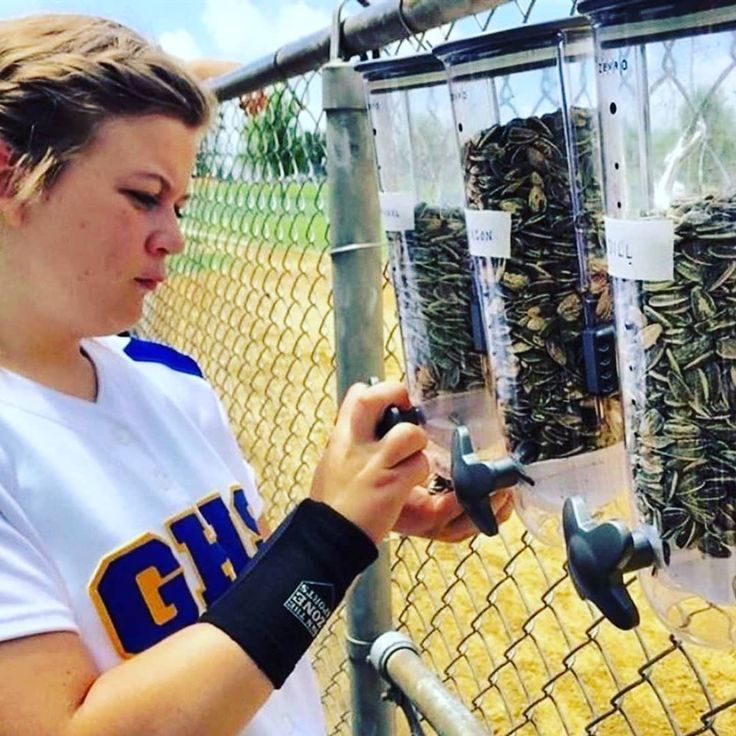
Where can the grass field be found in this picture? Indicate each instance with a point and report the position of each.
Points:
(278, 215)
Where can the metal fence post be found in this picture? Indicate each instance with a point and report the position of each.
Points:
(355, 236)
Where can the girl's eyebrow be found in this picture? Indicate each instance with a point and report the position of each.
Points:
(163, 181)
(160, 178)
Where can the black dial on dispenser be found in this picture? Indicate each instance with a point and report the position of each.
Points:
(598, 555)
(475, 480)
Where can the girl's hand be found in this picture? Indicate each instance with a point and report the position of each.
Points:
(365, 479)
(439, 515)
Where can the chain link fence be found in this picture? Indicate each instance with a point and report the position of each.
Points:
(497, 618)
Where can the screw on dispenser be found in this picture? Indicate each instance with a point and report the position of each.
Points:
(599, 553)
(393, 416)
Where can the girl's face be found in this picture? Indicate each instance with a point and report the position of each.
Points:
(92, 247)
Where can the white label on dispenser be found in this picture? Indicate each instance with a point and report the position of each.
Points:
(489, 233)
(397, 210)
(641, 250)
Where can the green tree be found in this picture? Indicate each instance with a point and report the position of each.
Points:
(274, 143)
(209, 160)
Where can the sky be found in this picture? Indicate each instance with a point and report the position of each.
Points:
(237, 30)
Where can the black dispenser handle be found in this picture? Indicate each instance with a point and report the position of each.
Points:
(598, 554)
(393, 416)
(475, 480)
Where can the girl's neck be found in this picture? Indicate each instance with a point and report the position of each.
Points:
(40, 345)
(64, 367)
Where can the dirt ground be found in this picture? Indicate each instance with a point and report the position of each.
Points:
(495, 617)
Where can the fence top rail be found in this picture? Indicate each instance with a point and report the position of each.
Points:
(378, 25)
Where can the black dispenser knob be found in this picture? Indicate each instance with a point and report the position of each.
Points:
(598, 554)
(393, 416)
(475, 480)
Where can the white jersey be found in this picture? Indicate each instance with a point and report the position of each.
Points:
(123, 519)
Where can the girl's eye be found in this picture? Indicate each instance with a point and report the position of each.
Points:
(149, 201)
(146, 200)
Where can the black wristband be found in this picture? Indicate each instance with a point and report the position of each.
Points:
(283, 598)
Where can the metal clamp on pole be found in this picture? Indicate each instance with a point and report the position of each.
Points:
(336, 31)
(397, 659)
(352, 247)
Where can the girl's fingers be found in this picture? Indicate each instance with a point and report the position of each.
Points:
(502, 505)
(364, 406)
(401, 442)
(410, 472)
(458, 529)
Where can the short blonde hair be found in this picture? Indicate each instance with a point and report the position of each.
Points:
(62, 76)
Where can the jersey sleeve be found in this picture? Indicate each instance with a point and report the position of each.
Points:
(33, 599)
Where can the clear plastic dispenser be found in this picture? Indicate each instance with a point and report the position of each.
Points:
(526, 123)
(422, 206)
(667, 89)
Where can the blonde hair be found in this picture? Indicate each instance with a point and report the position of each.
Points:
(63, 76)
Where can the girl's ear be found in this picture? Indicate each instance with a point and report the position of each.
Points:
(6, 170)
(10, 208)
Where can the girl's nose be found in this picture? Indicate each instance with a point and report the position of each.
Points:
(167, 238)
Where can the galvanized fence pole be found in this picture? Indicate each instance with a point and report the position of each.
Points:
(355, 237)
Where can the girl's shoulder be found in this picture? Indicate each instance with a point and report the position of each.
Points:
(152, 354)
(155, 372)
